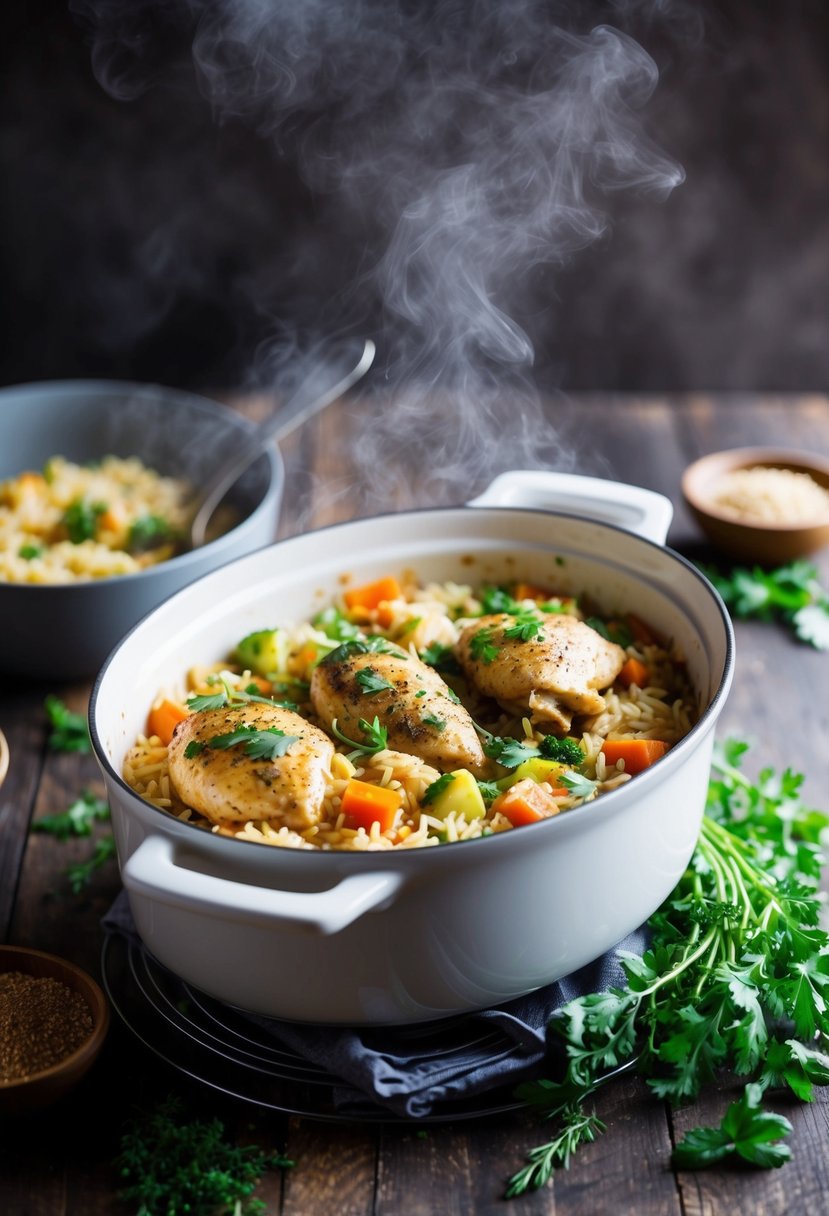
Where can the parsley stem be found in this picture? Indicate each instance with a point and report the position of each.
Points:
(684, 963)
(726, 843)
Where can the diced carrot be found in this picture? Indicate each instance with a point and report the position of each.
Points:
(638, 754)
(364, 804)
(641, 631)
(164, 718)
(371, 595)
(110, 520)
(633, 672)
(265, 687)
(526, 802)
(530, 591)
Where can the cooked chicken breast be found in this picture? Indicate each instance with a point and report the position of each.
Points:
(551, 674)
(410, 700)
(229, 786)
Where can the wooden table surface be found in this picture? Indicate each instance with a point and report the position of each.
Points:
(61, 1161)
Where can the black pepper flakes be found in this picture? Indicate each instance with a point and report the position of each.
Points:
(42, 1021)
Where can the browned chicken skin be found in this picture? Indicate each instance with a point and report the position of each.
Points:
(229, 787)
(417, 709)
(552, 675)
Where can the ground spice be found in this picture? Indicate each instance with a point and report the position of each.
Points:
(41, 1022)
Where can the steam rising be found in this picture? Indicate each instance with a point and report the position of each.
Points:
(465, 150)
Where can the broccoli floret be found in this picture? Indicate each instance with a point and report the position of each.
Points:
(565, 751)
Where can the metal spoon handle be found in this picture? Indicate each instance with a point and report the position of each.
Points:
(298, 410)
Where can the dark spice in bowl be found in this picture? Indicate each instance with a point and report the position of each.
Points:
(41, 1023)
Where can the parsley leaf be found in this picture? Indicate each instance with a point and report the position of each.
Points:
(737, 956)
(437, 787)
(481, 645)
(578, 785)
(527, 626)
(80, 873)
(80, 519)
(267, 744)
(370, 682)
(335, 625)
(362, 645)
(77, 819)
(69, 730)
(194, 748)
(746, 1131)
(495, 600)
(508, 752)
(433, 720)
(210, 700)
(489, 790)
(442, 658)
(611, 631)
(148, 532)
(29, 552)
(377, 738)
(791, 594)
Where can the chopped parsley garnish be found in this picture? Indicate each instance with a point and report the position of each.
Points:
(267, 744)
(211, 700)
(451, 695)
(442, 658)
(509, 753)
(234, 696)
(77, 819)
(29, 552)
(481, 645)
(80, 519)
(372, 645)
(148, 532)
(193, 749)
(566, 751)
(69, 730)
(578, 785)
(437, 787)
(611, 631)
(432, 720)
(498, 599)
(489, 790)
(421, 693)
(527, 626)
(377, 738)
(334, 625)
(371, 683)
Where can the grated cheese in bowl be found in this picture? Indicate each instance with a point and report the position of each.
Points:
(770, 495)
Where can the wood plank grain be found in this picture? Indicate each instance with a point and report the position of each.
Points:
(19, 713)
(335, 1169)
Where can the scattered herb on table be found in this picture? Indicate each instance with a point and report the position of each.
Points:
(77, 819)
(736, 979)
(791, 594)
(80, 872)
(169, 1164)
(69, 731)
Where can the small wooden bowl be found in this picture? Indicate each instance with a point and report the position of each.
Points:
(769, 544)
(43, 1088)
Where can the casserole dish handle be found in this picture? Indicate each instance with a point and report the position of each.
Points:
(153, 870)
(643, 512)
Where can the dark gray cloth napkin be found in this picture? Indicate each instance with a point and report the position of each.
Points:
(412, 1074)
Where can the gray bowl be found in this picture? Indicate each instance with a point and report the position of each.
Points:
(64, 632)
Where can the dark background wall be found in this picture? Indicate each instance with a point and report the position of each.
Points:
(151, 231)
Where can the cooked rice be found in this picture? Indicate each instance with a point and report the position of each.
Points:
(663, 710)
(36, 545)
(770, 495)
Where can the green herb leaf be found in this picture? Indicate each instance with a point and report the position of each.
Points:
(194, 748)
(746, 1132)
(170, 1163)
(80, 519)
(334, 625)
(30, 551)
(437, 787)
(81, 872)
(508, 752)
(527, 626)
(210, 700)
(149, 532)
(578, 785)
(77, 819)
(791, 594)
(371, 683)
(495, 600)
(267, 744)
(442, 658)
(432, 720)
(377, 738)
(481, 645)
(615, 631)
(489, 791)
(363, 645)
(69, 729)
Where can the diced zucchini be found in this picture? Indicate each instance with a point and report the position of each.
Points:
(263, 652)
(461, 795)
(536, 769)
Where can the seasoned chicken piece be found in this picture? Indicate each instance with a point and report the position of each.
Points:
(227, 784)
(408, 697)
(553, 670)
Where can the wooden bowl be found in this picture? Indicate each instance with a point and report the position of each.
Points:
(41, 1089)
(770, 544)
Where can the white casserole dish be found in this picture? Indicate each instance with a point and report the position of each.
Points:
(409, 936)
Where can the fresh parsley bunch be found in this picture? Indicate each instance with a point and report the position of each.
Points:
(736, 979)
(792, 594)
